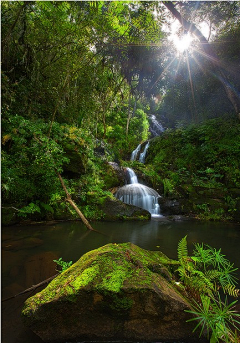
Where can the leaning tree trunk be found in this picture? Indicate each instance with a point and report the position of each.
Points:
(72, 203)
(232, 96)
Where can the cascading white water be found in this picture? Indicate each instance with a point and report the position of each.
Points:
(139, 195)
(156, 127)
(143, 154)
(135, 153)
(132, 176)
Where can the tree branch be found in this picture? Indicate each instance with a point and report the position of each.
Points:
(232, 96)
(31, 288)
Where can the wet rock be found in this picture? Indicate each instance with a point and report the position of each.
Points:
(173, 206)
(114, 175)
(114, 209)
(77, 160)
(117, 292)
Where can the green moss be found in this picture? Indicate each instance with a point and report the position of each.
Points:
(85, 277)
(114, 280)
(121, 303)
(107, 271)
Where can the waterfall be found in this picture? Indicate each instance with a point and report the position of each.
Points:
(132, 176)
(156, 128)
(139, 195)
(135, 153)
(143, 154)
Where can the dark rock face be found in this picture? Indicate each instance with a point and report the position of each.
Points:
(117, 292)
(117, 210)
(114, 175)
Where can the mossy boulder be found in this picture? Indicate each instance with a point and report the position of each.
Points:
(117, 292)
(113, 175)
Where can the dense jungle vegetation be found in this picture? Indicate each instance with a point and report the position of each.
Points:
(80, 82)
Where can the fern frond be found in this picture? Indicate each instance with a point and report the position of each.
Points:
(184, 277)
(231, 290)
(202, 283)
(182, 249)
(212, 274)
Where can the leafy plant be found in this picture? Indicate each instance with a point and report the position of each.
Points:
(218, 318)
(207, 271)
(204, 274)
(62, 264)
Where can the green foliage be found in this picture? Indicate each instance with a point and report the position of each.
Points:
(204, 274)
(32, 208)
(30, 159)
(200, 162)
(182, 249)
(62, 264)
(168, 186)
(218, 318)
(207, 270)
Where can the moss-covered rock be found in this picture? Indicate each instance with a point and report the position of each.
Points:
(113, 175)
(116, 292)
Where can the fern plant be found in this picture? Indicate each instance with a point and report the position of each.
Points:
(204, 274)
(207, 270)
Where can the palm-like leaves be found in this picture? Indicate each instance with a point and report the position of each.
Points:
(217, 317)
(205, 273)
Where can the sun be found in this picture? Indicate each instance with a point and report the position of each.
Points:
(183, 43)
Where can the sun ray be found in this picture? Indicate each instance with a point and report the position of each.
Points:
(216, 75)
(192, 90)
(162, 73)
(178, 66)
(221, 64)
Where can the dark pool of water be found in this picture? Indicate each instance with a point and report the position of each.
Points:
(28, 253)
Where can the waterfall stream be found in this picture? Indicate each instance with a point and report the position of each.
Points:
(156, 127)
(143, 154)
(137, 154)
(139, 195)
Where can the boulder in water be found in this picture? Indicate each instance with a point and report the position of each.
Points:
(115, 209)
(118, 292)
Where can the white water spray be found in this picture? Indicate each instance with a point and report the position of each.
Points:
(135, 153)
(139, 195)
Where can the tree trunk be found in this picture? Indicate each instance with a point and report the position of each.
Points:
(129, 114)
(232, 96)
(72, 203)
